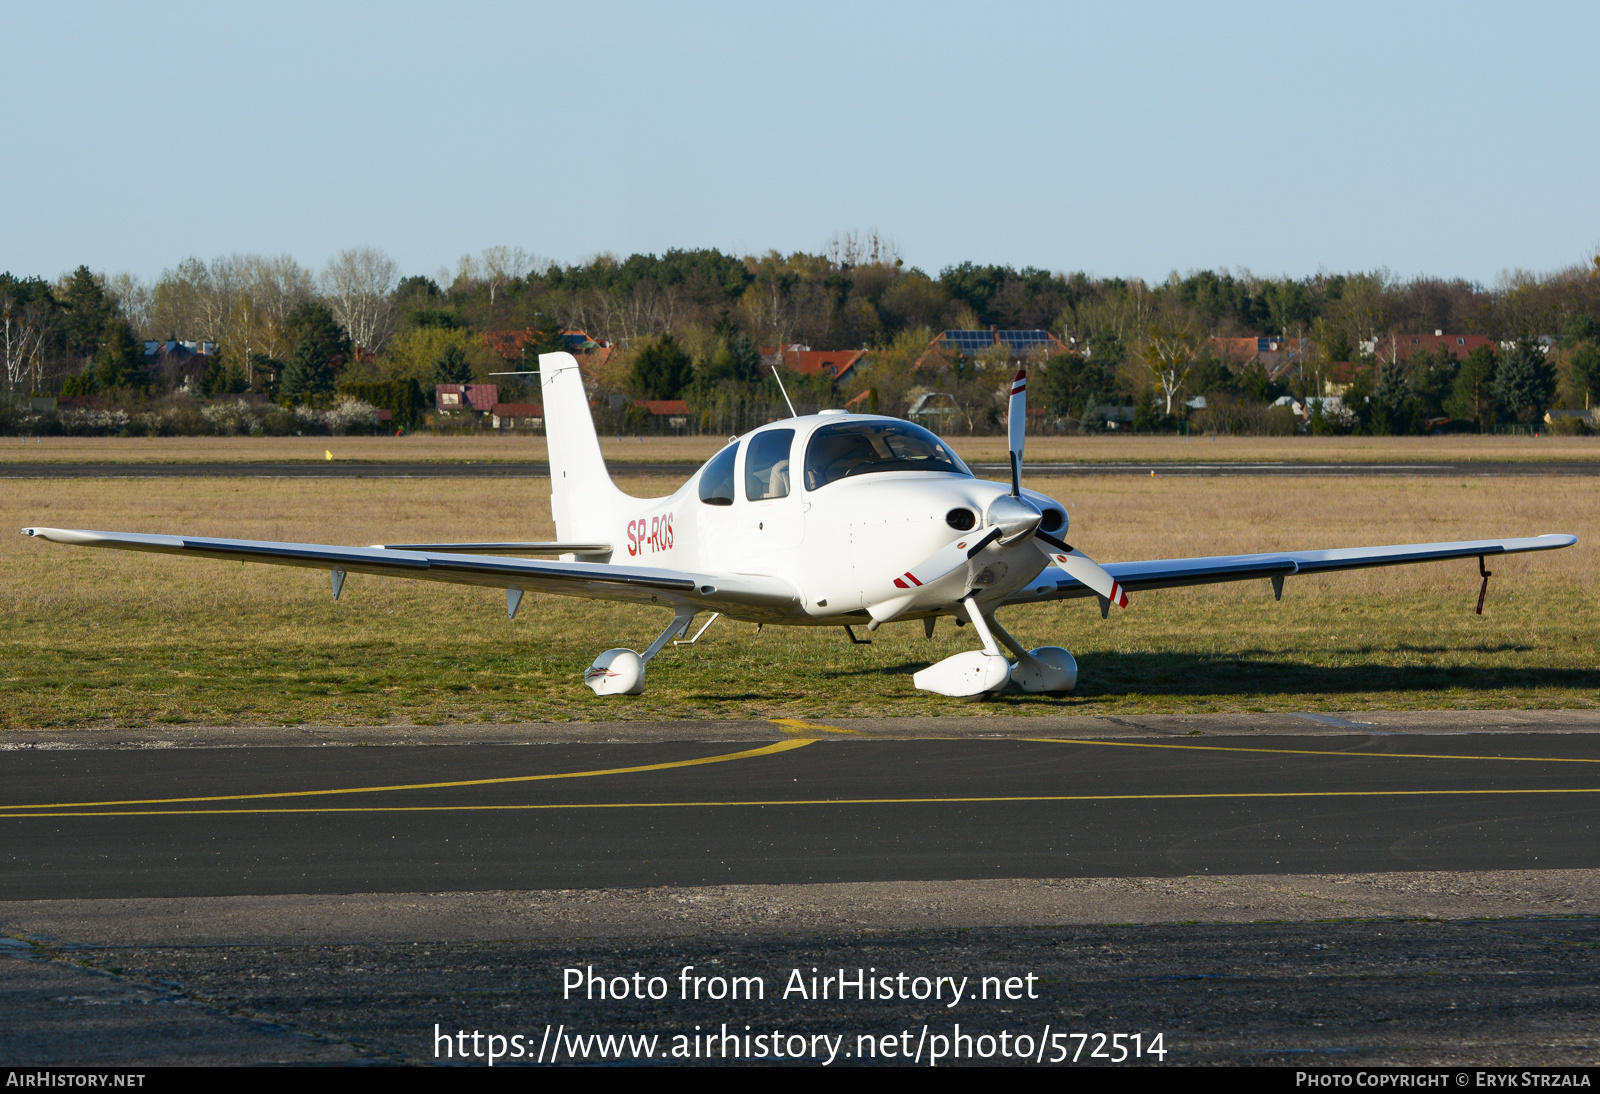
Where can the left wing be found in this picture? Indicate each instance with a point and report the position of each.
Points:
(1166, 573)
(728, 593)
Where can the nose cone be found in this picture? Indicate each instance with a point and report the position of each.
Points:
(1015, 517)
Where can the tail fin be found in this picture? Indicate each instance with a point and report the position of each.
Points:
(583, 499)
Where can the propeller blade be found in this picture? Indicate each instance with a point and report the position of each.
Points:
(1082, 567)
(1017, 427)
(946, 560)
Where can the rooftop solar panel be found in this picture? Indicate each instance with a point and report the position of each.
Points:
(975, 341)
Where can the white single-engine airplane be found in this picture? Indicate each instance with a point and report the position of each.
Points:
(829, 519)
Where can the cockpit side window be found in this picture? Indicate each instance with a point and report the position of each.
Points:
(859, 448)
(716, 481)
(766, 465)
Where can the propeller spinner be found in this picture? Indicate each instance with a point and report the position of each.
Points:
(1013, 519)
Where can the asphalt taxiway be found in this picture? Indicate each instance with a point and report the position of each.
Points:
(1312, 888)
(815, 805)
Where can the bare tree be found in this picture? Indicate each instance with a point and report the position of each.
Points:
(22, 331)
(359, 284)
(499, 265)
(273, 287)
(645, 310)
(180, 310)
(1361, 313)
(1170, 345)
(1123, 310)
(844, 249)
(853, 248)
(137, 299)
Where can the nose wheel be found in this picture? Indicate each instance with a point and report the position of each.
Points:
(1046, 669)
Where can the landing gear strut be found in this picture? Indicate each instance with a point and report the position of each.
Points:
(1048, 668)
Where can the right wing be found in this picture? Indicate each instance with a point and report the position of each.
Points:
(740, 595)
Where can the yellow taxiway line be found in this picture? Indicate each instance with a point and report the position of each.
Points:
(795, 725)
(1316, 752)
(789, 725)
(750, 753)
(1239, 796)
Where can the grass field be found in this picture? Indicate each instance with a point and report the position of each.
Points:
(107, 638)
(512, 448)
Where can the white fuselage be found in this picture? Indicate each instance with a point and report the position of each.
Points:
(842, 545)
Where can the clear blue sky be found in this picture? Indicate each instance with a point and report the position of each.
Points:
(1454, 139)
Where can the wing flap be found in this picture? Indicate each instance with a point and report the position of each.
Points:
(510, 548)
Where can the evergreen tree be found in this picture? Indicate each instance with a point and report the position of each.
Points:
(1071, 385)
(119, 358)
(1256, 383)
(119, 363)
(1393, 405)
(220, 379)
(267, 373)
(84, 384)
(1586, 372)
(1107, 350)
(733, 359)
(546, 339)
(1473, 396)
(1145, 417)
(320, 347)
(661, 370)
(308, 372)
(313, 323)
(452, 367)
(86, 314)
(1433, 377)
(1524, 383)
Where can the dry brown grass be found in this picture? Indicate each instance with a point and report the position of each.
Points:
(515, 448)
(96, 637)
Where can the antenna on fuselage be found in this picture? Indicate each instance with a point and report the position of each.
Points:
(786, 398)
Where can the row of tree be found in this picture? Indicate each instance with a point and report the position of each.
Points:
(690, 324)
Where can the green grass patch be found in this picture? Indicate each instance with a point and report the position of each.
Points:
(398, 653)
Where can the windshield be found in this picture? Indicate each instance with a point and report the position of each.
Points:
(860, 448)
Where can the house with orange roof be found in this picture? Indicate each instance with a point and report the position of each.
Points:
(517, 416)
(1401, 347)
(1272, 352)
(671, 413)
(455, 398)
(837, 363)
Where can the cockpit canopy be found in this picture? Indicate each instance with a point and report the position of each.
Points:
(843, 449)
(835, 451)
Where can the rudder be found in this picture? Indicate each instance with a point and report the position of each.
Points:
(583, 500)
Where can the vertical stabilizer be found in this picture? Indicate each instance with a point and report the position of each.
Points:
(583, 499)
